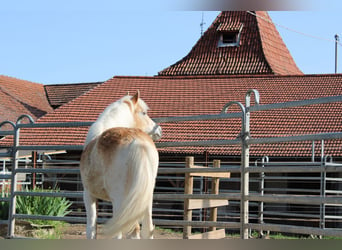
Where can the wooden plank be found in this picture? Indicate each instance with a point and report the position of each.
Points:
(194, 166)
(205, 203)
(217, 234)
(213, 175)
(188, 189)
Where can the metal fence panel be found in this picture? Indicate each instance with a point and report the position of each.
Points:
(257, 193)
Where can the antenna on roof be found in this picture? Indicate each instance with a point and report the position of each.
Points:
(337, 39)
(202, 24)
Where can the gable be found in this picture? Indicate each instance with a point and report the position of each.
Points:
(59, 94)
(255, 50)
(21, 97)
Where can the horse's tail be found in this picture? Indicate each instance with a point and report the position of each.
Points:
(141, 173)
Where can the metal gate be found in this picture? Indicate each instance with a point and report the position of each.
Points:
(246, 196)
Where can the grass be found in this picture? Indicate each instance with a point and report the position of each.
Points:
(54, 234)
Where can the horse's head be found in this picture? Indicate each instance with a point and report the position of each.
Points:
(141, 119)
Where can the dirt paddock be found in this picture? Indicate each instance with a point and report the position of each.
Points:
(71, 231)
(77, 231)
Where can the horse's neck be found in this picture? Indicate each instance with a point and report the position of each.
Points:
(120, 118)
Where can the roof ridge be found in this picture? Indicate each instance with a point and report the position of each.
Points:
(68, 84)
(19, 79)
(247, 76)
(131, 76)
(176, 77)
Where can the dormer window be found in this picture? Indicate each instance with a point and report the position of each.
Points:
(229, 37)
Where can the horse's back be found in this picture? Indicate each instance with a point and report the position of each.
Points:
(114, 138)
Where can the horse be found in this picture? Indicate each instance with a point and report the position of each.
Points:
(119, 164)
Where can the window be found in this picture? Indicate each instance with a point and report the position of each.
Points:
(229, 39)
(229, 35)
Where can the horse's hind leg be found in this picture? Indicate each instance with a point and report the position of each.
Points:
(118, 236)
(135, 234)
(90, 205)
(147, 224)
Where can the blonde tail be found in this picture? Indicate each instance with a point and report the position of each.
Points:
(141, 169)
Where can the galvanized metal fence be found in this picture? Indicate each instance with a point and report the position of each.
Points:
(252, 199)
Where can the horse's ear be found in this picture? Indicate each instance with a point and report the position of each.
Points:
(136, 97)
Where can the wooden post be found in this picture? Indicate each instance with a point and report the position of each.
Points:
(188, 189)
(34, 165)
(215, 182)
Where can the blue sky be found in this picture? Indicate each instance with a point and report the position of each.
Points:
(82, 41)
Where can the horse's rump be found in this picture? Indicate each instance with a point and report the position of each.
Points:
(121, 163)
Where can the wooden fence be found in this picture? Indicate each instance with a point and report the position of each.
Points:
(191, 204)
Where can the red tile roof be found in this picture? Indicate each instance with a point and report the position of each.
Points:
(59, 94)
(261, 50)
(276, 53)
(21, 97)
(179, 96)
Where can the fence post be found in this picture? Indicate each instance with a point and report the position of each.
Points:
(323, 183)
(34, 160)
(244, 185)
(188, 189)
(244, 204)
(215, 182)
(15, 165)
(262, 192)
(12, 207)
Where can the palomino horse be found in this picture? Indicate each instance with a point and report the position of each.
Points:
(119, 164)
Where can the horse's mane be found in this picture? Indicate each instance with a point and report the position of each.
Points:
(108, 118)
(121, 101)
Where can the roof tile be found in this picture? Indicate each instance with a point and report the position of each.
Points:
(261, 49)
(59, 94)
(180, 96)
(21, 97)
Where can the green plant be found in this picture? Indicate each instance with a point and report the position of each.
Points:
(43, 205)
(4, 205)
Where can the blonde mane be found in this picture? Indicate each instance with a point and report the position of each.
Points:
(117, 114)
